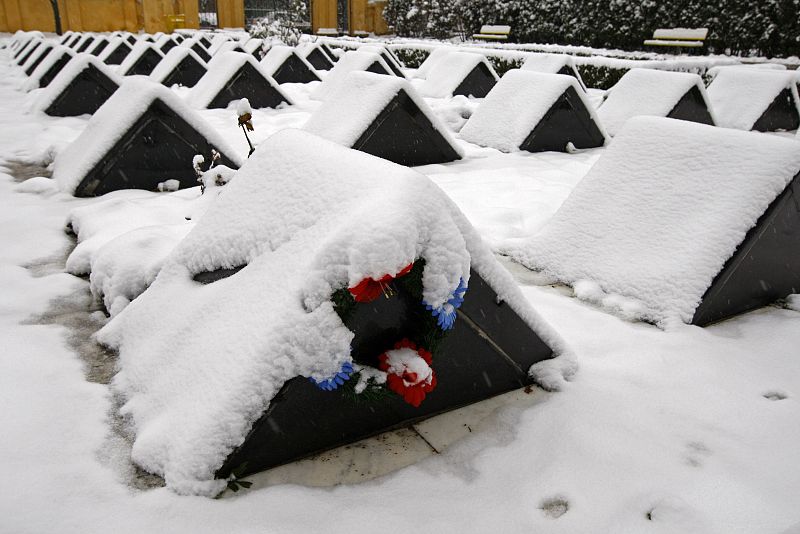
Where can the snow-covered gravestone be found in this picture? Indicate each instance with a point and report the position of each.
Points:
(354, 61)
(679, 221)
(36, 58)
(165, 43)
(98, 46)
(83, 43)
(181, 66)
(284, 65)
(142, 59)
(49, 68)
(437, 55)
(533, 111)
(316, 55)
(383, 116)
(232, 76)
(81, 87)
(116, 51)
(74, 40)
(553, 64)
(313, 281)
(755, 99)
(143, 136)
(387, 56)
(28, 51)
(459, 73)
(198, 48)
(658, 93)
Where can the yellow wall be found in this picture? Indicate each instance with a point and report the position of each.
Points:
(363, 16)
(110, 15)
(323, 14)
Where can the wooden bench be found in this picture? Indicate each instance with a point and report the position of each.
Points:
(493, 33)
(678, 37)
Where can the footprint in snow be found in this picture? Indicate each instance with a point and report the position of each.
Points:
(554, 507)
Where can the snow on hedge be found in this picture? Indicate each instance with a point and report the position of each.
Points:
(138, 50)
(647, 92)
(307, 217)
(450, 71)
(356, 103)
(515, 106)
(67, 74)
(47, 63)
(114, 118)
(349, 62)
(741, 95)
(221, 69)
(656, 218)
(171, 60)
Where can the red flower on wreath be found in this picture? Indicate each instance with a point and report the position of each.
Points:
(408, 371)
(369, 289)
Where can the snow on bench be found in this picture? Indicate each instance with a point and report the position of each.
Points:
(660, 93)
(755, 99)
(383, 116)
(305, 220)
(534, 111)
(669, 225)
(678, 37)
(490, 32)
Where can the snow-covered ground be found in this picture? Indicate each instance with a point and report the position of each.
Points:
(680, 430)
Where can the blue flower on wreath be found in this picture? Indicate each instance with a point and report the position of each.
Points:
(446, 313)
(329, 384)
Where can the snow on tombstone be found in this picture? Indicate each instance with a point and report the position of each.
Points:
(315, 55)
(49, 68)
(678, 222)
(66, 36)
(181, 66)
(254, 47)
(534, 111)
(75, 38)
(195, 43)
(83, 45)
(25, 43)
(658, 93)
(317, 283)
(383, 116)
(36, 58)
(165, 43)
(233, 76)
(82, 86)
(755, 99)
(143, 136)
(459, 73)
(387, 56)
(553, 64)
(98, 46)
(142, 59)
(30, 49)
(353, 61)
(437, 55)
(116, 51)
(286, 66)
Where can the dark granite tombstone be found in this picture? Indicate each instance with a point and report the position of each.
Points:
(84, 46)
(248, 82)
(201, 51)
(403, 134)
(118, 54)
(187, 72)
(54, 69)
(478, 82)
(567, 121)
(27, 54)
(780, 115)
(294, 70)
(167, 45)
(765, 266)
(98, 46)
(86, 92)
(319, 59)
(488, 352)
(153, 150)
(145, 63)
(692, 107)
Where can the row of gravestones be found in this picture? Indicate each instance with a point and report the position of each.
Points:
(761, 266)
